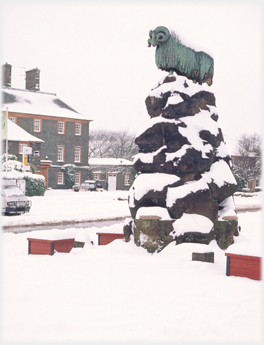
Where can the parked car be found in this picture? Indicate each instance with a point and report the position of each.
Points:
(13, 199)
(76, 187)
(88, 185)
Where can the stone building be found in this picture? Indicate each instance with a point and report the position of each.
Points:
(17, 139)
(64, 131)
(114, 173)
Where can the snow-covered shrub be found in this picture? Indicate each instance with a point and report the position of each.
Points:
(9, 158)
(35, 186)
(12, 164)
(69, 171)
(246, 190)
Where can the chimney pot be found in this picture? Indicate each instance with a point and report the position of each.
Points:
(6, 74)
(32, 79)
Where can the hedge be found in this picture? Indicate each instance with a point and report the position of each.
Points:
(35, 186)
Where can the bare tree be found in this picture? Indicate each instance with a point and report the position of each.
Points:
(103, 144)
(247, 162)
(249, 145)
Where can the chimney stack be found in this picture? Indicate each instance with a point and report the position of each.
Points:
(32, 79)
(6, 74)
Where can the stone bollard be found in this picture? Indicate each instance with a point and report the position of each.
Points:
(205, 257)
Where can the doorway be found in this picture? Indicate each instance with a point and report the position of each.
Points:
(111, 182)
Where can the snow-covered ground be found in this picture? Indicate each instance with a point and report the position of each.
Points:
(119, 292)
(67, 206)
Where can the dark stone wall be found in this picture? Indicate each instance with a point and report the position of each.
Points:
(49, 134)
(53, 170)
(34, 159)
(52, 139)
(119, 170)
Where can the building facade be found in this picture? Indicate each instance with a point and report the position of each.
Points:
(64, 131)
(18, 138)
(114, 173)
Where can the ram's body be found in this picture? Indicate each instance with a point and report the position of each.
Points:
(172, 55)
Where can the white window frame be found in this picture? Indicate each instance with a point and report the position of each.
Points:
(13, 119)
(61, 126)
(127, 179)
(77, 178)
(97, 176)
(21, 148)
(77, 154)
(60, 153)
(78, 129)
(37, 125)
(60, 177)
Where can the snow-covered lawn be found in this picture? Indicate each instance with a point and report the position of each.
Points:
(119, 292)
(67, 206)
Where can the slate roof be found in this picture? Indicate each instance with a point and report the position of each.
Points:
(37, 103)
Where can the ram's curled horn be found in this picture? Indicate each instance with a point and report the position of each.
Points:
(162, 34)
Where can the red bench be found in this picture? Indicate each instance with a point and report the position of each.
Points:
(243, 266)
(40, 246)
(106, 237)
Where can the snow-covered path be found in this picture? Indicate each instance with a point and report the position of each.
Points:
(58, 206)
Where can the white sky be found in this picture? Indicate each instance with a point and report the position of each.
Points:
(94, 54)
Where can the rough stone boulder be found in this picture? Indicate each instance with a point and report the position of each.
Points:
(150, 190)
(220, 180)
(162, 133)
(193, 228)
(189, 106)
(225, 232)
(183, 169)
(174, 104)
(128, 228)
(192, 197)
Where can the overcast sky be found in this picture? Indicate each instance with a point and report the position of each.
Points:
(94, 54)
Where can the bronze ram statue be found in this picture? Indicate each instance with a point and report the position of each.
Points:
(172, 55)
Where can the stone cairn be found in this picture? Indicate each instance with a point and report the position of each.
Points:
(183, 191)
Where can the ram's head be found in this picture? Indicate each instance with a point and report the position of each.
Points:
(158, 36)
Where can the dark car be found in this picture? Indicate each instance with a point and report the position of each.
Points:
(88, 185)
(76, 187)
(13, 199)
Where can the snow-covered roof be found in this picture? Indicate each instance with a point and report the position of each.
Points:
(37, 103)
(16, 133)
(109, 161)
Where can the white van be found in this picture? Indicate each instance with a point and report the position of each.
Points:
(13, 199)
